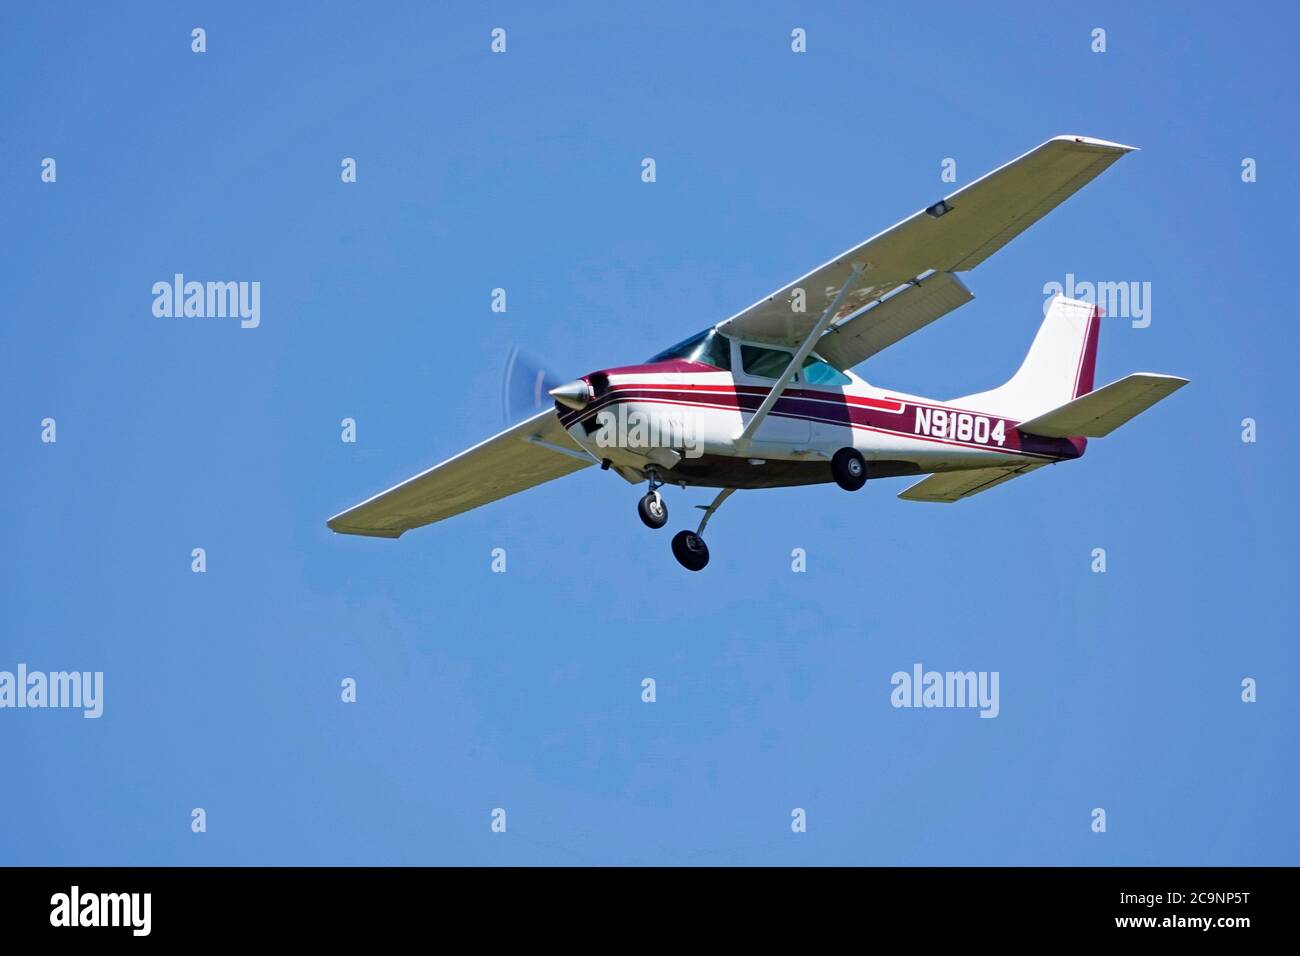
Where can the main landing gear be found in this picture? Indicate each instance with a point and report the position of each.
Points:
(849, 468)
(690, 550)
(688, 546)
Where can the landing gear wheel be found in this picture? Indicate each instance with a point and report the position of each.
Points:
(690, 550)
(652, 510)
(849, 468)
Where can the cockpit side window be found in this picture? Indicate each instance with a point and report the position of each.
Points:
(709, 347)
(818, 372)
(765, 363)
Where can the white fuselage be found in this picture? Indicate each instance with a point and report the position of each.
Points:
(642, 416)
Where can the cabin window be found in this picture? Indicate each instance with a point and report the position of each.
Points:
(716, 351)
(818, 372)
(765, 363)
(709, 347)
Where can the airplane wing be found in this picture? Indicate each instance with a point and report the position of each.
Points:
(879, 326)
(528, 454)
(950, 486)
(954, 234)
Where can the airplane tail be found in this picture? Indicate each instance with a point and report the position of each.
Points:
(1052, 395)
(1058, 369)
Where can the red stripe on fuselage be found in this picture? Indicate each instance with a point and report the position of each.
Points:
(863, 414)
(888, 405)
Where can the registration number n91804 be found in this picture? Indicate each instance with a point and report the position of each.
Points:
(960, 426)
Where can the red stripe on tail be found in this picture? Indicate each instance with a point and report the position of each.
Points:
(1083, 382)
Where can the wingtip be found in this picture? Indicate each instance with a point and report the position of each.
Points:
(1092, 141)
(367, 532)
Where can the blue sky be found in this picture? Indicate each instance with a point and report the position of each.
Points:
(523, 690)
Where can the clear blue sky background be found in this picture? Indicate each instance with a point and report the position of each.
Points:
(522, 690)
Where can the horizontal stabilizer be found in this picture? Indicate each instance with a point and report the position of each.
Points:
(1099, 413)
(950, 486)
(916, 306)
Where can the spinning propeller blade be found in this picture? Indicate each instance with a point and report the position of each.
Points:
(525, 385)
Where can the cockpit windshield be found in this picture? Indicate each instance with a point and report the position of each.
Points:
(709, 347)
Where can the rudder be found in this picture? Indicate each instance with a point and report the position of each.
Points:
(1058, 368)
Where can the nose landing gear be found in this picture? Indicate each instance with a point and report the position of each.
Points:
(652, 509)
(688, 546)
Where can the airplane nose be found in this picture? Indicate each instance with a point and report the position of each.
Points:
(575, 394)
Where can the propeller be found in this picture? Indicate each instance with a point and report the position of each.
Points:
(525, 386)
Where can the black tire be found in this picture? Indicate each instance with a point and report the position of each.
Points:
(849, 468)
(690, 550)
(653, 511)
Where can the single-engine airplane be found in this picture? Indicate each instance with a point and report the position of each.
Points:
(767, 398)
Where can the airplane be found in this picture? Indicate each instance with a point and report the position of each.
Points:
(768, 397)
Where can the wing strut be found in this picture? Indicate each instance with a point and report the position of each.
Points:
(583, 455)
(742, 442)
